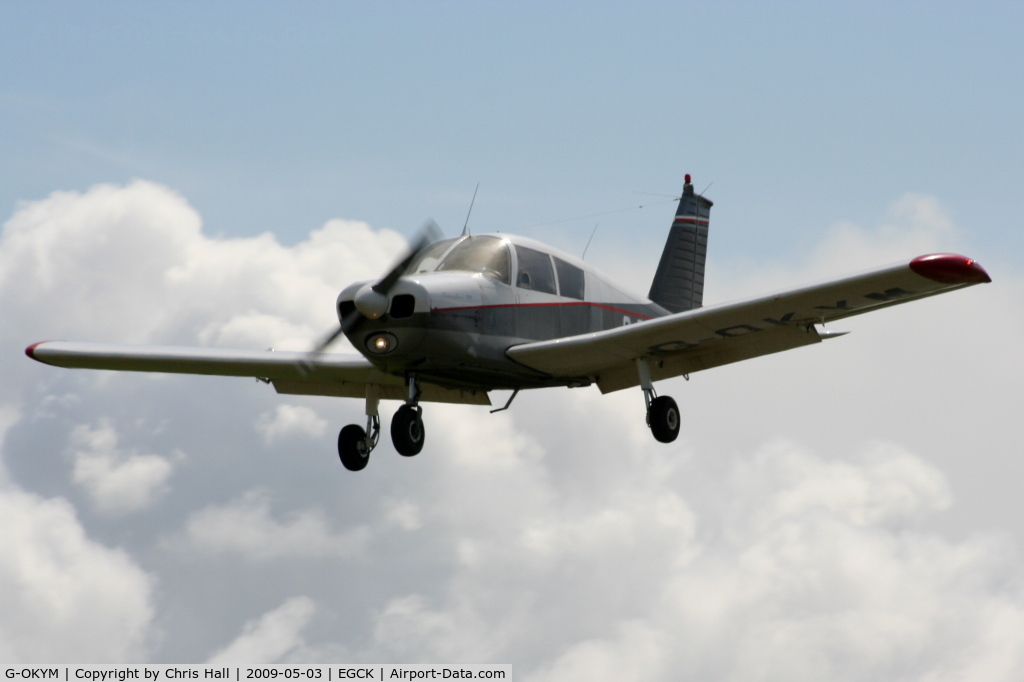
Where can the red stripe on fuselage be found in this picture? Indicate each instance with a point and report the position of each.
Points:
(540, 305)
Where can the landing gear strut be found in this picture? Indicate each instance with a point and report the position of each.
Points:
(662, 412)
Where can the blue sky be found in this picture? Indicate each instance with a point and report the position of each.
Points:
(214, 173)
(276, 119)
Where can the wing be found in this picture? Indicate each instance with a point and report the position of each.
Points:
(718, 335)
(328, 374)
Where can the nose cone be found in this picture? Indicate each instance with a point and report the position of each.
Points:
(370, 303)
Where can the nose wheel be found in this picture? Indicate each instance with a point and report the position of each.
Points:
(407, 430)
(407, 425)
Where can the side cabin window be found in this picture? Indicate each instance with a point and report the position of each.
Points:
(570, 279)
(535, 270)
(487, 255)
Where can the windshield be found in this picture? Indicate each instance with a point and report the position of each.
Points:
(487, 255)
(427, 259)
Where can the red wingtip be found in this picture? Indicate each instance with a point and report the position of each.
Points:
(31, 351)
(950, 268)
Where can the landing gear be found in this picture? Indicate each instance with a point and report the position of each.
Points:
(662, 411)
(355, 443)
(352, 447)
(663, 418)
(407, 430)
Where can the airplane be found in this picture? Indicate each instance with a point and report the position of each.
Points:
(457, 318)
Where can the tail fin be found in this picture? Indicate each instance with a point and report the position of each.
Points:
(679, 281)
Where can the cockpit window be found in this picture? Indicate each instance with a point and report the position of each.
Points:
(534, 270)
(428, 258)
(486, 255)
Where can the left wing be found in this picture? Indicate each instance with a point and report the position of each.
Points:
(718, 335)
(329, 374)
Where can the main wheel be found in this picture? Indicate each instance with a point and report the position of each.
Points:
(663, 417)
(352, 447)
(407, 430)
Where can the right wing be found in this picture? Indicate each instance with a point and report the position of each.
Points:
(328, 374)
(718, 335)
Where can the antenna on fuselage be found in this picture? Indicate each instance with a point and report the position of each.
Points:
(465, 228)
(593, 232)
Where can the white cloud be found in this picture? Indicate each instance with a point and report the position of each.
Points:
(270, 638)
(9, 416)
(403, 514)
(814, 589)
(289, 420)
(117, 482)
(885, 486)
(816, 570)
(140, 251)
(411, 629)
(798, 529)
(66, 597)
(247, 527)
(913, 225)
(63, 596)
(635, 652)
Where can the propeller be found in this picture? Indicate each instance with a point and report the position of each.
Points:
(371, 300)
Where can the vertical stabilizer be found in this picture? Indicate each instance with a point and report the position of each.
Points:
(679, 281)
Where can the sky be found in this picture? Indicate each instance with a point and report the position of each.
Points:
(213, 174)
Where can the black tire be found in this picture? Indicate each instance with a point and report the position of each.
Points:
(352, 447)
(663, 417)
(407, 432)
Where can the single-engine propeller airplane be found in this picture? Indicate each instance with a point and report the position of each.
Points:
(457, 318)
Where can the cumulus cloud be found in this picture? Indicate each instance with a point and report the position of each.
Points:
(403, 514)
(798, 529)
(117, 482)
(885, 485)
(140, 250)
(816, 572)
(269, 638)
(289, 420)
(913, 225)
(247, 527)
(64, 596)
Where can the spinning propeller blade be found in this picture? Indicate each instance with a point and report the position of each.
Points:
(427, 235)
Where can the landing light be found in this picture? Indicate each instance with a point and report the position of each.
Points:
(381, 343)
